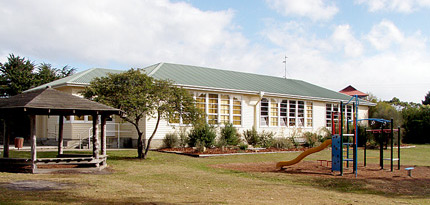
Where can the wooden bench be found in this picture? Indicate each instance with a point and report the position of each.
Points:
(409, 169)
(71, 160)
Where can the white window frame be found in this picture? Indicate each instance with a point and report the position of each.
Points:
(267, 124)
(288, 103)
(218, 114)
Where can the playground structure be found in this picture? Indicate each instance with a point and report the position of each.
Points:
(381, 132)
(340, 149)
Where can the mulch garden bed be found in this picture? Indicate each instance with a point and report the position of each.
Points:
(226, 151)
(396, 182)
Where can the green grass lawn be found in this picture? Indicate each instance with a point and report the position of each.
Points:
(176, 179)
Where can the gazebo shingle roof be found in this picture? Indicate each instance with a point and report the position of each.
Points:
(49, 101)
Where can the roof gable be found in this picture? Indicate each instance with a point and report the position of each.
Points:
(351, 91)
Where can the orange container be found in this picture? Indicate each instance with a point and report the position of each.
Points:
(19, 142)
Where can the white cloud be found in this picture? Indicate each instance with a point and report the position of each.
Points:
(385, 34)
(313, 9)
(344, 37)
(402, 6)
(401, 72)
(136, 33)
(133, 33)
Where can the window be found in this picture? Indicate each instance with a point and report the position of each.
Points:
(284, 113)
(309, 114)
(292, 114)
(301, 113)
(264, 112)
(237, 111)
(219, 108)
(348, 112)
(224, 109)
(201, 101)
(78, 119)
(331, 110)
(273, 113)
(213, 109)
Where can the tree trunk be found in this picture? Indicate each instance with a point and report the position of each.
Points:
(152, 136)
(140, 145)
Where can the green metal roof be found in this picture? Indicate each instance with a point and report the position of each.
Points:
(83, 78)
(216, 79)
(240, 81)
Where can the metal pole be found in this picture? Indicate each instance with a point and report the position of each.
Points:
(398, 147)
(355, 137)
(392, 145)
(381, 147)
(341, 138)
(285, 62)
(365, 145)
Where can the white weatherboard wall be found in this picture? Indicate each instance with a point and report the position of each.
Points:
(319, 114)
(48, 126)
(248, 121)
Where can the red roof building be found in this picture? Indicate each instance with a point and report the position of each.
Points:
(351, 91)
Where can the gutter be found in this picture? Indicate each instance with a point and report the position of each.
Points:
(277, 95)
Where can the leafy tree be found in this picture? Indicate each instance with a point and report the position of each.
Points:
(142, 97)
(417, 124)
(426, 100)
(46, 73)
(385, 110)
(372, 98)
(16, 75)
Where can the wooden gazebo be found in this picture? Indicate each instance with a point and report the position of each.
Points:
(49, 101)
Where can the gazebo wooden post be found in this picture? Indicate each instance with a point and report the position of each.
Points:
(33, 143)
(103, 137)
(60, 135)
(6, 137)
(95, 139)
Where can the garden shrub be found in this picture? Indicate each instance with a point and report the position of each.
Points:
(220, 143)
(170, 140)
(251, 136)
(263, 139)
(203, 133)
(323, 134)
(311, 139)
(183, 137)
(229, 135)
(266, 139)
(283, 143)
(294, 136)
(200, 146)
(243, 146)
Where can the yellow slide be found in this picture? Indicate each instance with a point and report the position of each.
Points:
(325, 144)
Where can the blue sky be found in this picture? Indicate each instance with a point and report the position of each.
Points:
(377, 46)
